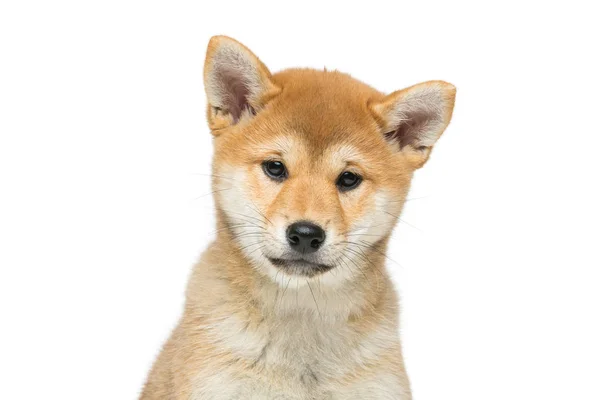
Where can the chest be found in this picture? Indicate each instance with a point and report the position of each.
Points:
(227, 386)
(296, 358)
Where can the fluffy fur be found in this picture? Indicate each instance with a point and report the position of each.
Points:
(252, 329)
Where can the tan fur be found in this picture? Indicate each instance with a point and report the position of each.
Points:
(251, 330)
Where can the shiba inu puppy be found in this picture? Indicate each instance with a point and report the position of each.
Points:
(292, 300)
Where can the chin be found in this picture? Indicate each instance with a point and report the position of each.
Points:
(301, 268)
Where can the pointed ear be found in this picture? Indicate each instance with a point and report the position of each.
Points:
(413, 119)
(237, 83)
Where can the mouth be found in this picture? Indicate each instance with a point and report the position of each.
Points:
(300, 267)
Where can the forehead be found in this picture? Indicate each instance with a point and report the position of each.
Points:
(322, 110)
(323, 105)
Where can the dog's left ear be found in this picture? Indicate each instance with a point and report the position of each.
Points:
(413, 119)
(237, 83)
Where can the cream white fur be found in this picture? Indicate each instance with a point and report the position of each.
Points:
(428, 102)
(233, 60)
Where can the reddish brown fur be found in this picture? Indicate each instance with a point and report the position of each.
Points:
(307, 119)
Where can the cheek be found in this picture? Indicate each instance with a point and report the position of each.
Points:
(242, 194)
(264, 203)
(358, 205)
(373, 215)
(262, 191)
(230, 193)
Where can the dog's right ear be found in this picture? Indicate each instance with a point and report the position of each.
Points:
(237, 83)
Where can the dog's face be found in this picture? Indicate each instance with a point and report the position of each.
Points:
(312, 168)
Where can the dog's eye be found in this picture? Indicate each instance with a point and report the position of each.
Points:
(275, 170)
(348, 181)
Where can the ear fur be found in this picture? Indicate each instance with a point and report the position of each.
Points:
(237, 83)
(414, 118)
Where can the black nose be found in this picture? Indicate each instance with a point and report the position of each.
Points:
(305, 237)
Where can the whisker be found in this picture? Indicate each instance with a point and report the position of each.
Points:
(214, 191)
(313, 296)
(260, 213)
(366, 245)
(411, 225)
(248, 225)
(246, 216)
(400, 219)
(213, 175)
(248, 234)
(285, 289)
(367, 227)
(259, 248)
(366, 258)
(406, 200)
(277, 292)
(389, 213)
(361, 270)
(252, 244)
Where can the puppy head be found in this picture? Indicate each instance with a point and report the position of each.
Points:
(312, 167)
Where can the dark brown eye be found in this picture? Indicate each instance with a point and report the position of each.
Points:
(275, 170)
(348, 181)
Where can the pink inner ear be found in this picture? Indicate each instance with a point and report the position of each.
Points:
(410, 131)
(236, 92)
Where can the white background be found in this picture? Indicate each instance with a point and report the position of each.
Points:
(104, 208)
